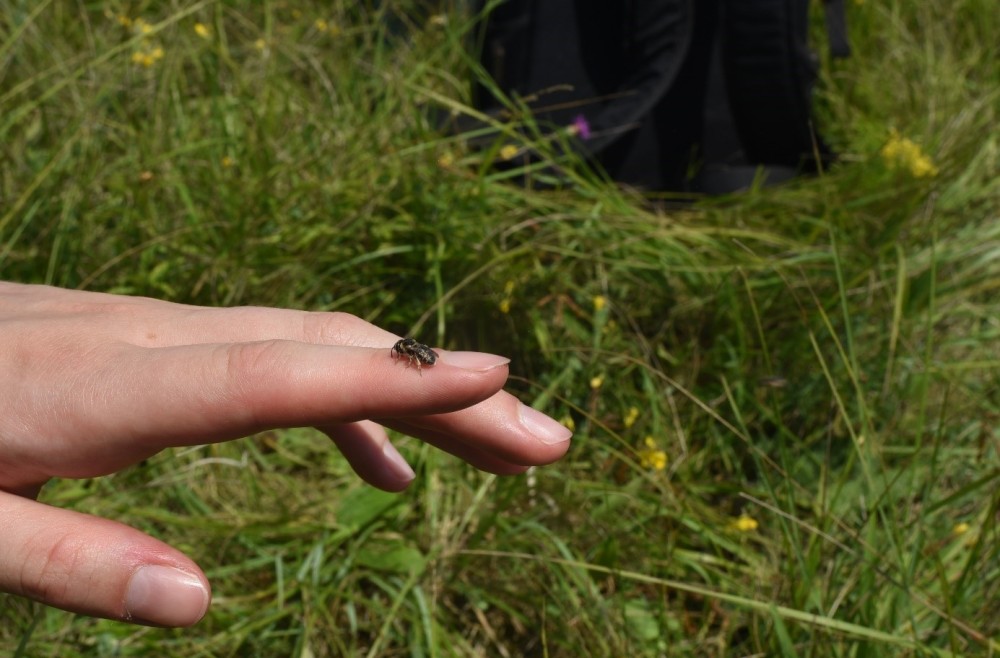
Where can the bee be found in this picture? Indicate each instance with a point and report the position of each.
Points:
(415, 352)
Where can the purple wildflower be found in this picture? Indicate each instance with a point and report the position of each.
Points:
(581, 127)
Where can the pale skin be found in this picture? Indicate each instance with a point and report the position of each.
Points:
(92, 383)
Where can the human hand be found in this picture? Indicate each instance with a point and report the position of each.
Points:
(93, 383)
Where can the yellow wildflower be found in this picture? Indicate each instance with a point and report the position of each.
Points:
(600, 301)
(651, 456)
(202, 30)
(567, 422)
(446, 160)
(745, 523)
(508, 296)
(960, 529)
(901, 152)
(508, 152)
(322, 25)
(141, 26)
(597, 382)
(630, 417)
(147, 58)
(260, 45)
(124, 20)
(227, 161)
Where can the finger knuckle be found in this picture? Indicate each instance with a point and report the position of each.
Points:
(334, 328)
(247, 363)
(57, 563)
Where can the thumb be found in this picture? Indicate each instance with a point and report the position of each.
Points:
(96, 567)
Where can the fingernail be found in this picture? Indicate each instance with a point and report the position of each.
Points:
(546, 429)
(165, 596)
(399, 466)
(478, 361)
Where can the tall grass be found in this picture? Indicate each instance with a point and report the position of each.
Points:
(785, 402)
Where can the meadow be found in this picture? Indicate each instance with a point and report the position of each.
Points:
(785, 402)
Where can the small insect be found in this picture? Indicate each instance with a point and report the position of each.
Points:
(417, 353)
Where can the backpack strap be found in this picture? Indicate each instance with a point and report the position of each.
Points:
(836, 28)
(605, 68)
(609, 62)
(657, 38)
(770, 73)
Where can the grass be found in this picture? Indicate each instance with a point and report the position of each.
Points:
(785, 402)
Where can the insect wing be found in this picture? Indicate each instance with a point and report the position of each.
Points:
(426, 355)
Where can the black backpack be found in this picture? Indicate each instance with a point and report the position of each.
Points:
(677, 95)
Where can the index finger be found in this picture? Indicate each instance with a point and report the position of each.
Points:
(129, 402)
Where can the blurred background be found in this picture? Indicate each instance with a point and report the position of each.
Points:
(785, 401)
